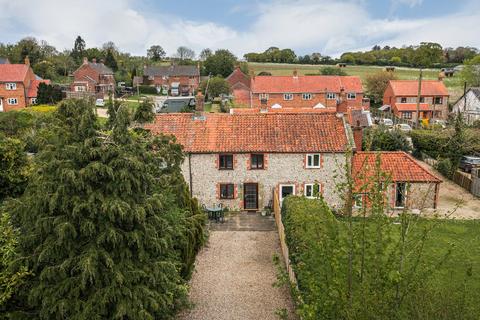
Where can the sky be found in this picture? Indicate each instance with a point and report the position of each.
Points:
(329, 27)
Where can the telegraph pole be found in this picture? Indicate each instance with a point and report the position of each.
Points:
(418, 97)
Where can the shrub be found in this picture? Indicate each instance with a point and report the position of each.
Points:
(382, 139)
(144, 89)
(445, 167)
(332, 71)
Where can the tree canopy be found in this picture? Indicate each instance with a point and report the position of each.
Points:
(222, 63)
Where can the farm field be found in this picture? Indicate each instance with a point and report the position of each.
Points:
(453, 84)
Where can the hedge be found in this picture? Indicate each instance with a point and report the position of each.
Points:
(147, 89)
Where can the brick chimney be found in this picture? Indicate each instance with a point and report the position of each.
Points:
(85, 60)
(199, 101)
(27, 61)
(94, 60)
(358, 137)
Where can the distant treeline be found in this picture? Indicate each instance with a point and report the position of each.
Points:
(427, 54)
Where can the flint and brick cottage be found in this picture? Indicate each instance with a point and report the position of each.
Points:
(308, 92)
(239, 159)
(18, 86)
(401, 96)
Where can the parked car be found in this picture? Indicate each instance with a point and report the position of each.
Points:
(404, 127)
(100, 103)
(176, 104)
(386, 122)
(467, 163)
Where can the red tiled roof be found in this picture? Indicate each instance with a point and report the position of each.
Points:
(399, 165)
(410, 88)
(237, 76)
(301, 84)
(281, 110)
(412, 107)
(33, 89)
(13, 72)
(271, 132)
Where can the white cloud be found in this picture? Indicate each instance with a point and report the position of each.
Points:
(329, 27)
(410, 3)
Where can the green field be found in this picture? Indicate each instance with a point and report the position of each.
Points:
(453, 84)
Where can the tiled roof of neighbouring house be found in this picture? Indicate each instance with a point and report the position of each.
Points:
(33, 89)
(13, 72)
(413, 107)
(399, 165)
(306, 84)
(237, 76)
(410, 88)
(171, 71)
(271, 132)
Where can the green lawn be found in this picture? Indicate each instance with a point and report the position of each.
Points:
(453, 84)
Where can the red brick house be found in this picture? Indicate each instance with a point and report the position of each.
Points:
(240, 86)
(401, 96)
(93, 78)
(18, 86)
(308, 92)
(185, 78)
(411, 186)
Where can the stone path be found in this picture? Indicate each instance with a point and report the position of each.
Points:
(234, 272)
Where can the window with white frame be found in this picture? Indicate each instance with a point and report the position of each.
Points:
(34, 100)
(311, 190)
(11, 86)
(12, 101)
(80, 88)
(407, 115)
(263, 96)
(351, 96)
(307, 96)
(358, 200)
(313, 160)
(288, 96)
(331, 95)
(438, 100)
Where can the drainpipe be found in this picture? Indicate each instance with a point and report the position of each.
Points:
(190, 173)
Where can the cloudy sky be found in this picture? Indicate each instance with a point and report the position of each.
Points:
(329, 27)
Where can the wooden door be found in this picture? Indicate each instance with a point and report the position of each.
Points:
(250, 196)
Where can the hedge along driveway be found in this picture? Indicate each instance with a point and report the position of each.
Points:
(234, 277)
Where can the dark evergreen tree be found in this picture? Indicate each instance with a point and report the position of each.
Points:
(48, 94)
(144, 112)
(78, 50)
(110, 61)
(108, 229)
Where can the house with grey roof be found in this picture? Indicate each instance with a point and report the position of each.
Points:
(92, 78)
(176, 79)
(469, 106)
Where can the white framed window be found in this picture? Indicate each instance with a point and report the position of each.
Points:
(311, 190)
(358, 201)
(80, 88)
(331, 95)
(12, 101)
(263, 96)
(307, 96)
(34, 100)
(11, 86)
(351, 96)
(438, 100)
(288, 96)
(313, 160)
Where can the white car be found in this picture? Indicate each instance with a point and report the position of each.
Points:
(387, 122)
(100, 103)
(404, 127)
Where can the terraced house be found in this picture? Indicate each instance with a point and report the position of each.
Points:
(18, 86)
(240, 159)
(401, 96)
(308, 92)
(184, 80)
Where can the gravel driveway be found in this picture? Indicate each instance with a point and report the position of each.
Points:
(234, 276)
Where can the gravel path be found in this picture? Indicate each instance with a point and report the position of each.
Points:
(234, 277)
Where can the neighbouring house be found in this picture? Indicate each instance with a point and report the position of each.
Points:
(469, 106)
(308, 91)
(92, 79)
(4, 60)
(18, 86)
(411, 186)
(183, 79)
(401, 96)
(240, 86)
(239, 160)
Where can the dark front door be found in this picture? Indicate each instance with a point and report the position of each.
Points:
(250, 198)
